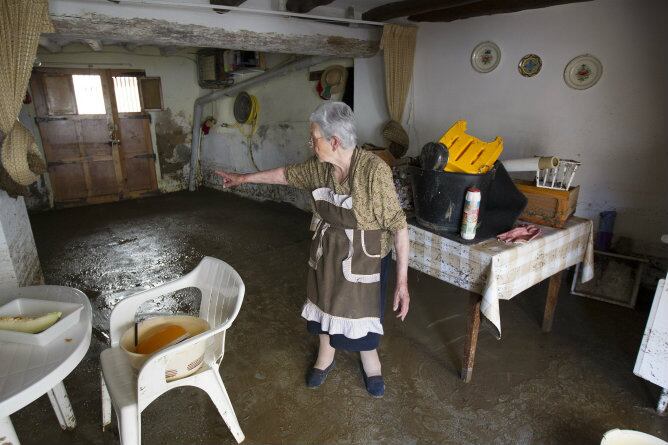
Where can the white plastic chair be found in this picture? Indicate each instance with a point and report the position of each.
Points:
(130, 393)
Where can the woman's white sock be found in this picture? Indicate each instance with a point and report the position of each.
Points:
(325, 353)
(370, 362)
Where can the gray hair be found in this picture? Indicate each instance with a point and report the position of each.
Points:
(336, 119)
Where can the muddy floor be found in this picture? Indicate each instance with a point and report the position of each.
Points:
(566, 387)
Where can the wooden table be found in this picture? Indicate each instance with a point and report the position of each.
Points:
(493, 271)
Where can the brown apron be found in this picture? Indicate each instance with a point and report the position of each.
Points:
(344, 276)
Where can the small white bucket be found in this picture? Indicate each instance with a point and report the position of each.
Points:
(185, 362)
(630, 437)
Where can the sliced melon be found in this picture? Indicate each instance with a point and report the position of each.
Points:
(30, 325)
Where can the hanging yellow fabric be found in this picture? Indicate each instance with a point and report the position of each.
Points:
(21, 23)
(398, 45)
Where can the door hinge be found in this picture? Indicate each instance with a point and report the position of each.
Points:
(138, 116)
(49, 119)
(145, 156)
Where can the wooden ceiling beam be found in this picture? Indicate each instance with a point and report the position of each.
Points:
(486, 7)
(410, 7)
(304, 6)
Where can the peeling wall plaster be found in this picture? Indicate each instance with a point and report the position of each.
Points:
(19, 263)
(173, 138)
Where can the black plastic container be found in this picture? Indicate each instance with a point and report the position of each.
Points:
(439, 200)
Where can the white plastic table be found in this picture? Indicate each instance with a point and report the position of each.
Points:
(27, 372)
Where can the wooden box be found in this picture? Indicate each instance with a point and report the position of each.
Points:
(547, 206)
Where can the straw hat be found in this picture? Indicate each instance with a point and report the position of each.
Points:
(18, 147)
(333, 80)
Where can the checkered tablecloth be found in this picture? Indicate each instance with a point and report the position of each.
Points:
(499, 271)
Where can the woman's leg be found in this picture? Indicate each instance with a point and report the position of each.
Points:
(325, 353)
(370, 362)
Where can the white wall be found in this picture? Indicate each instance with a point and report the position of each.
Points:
(19, 264)
(370, 103)
(283, 129)
(618, 128)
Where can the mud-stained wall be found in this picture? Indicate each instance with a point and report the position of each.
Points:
(171, 128)
(283, 129)
(173, 136)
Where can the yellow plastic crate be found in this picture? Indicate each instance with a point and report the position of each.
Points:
(467, 153)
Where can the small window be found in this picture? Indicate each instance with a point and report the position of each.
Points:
(127, 94)
(88, 92)
(151, 93)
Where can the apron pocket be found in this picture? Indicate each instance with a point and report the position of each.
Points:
(361, 267)
(371, 243)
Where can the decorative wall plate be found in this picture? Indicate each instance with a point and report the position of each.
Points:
(485, 57)
(583, 72)
(530, 65)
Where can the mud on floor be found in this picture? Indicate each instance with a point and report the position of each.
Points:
(569, 386)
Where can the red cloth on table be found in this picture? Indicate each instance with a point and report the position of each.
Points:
(523, 233)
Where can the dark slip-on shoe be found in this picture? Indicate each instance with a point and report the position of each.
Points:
(316, 377)
(375, 385)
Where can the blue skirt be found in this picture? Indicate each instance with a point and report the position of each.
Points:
(372, 339)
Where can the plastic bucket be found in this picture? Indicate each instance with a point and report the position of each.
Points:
(183, 363)
(439, 197)
(630, 437)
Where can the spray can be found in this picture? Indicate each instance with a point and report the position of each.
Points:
(471, 210)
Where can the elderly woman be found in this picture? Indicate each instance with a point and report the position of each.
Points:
(355, 215)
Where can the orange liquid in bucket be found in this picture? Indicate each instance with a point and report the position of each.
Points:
(159, 337)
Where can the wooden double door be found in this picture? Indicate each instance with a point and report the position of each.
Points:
(95, 134)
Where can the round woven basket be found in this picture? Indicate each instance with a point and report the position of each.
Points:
(20, 157)
(397, 137)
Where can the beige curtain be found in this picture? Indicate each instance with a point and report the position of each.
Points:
(21, 23)
(398, 45)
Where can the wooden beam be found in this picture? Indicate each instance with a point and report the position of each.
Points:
(49, 44)
(304, 6)
(410, 7)
(146, 31)
(486, 7)
(225, 3)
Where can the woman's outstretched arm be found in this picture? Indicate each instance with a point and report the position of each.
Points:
(273, 176)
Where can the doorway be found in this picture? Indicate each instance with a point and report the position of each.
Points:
(95, 133)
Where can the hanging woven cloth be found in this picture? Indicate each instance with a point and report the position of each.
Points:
(398, 45)
(21, 23)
